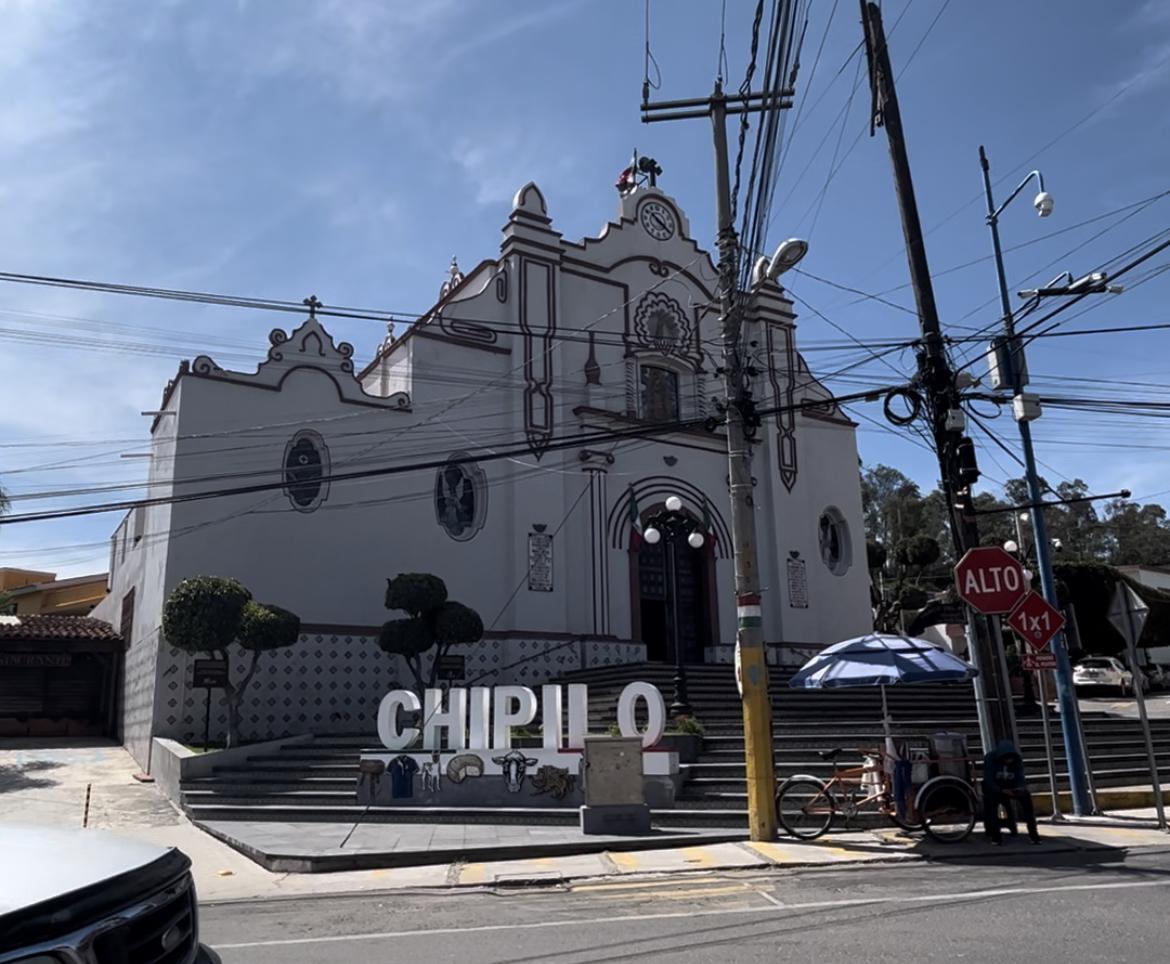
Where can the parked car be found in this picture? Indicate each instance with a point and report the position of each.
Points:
(87, 897)
(1106, 671)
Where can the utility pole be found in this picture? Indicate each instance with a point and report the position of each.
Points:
(936, 379)
(757, 709)
(1066, 695)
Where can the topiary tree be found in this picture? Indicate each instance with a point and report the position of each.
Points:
(433, 622)
(206, 614)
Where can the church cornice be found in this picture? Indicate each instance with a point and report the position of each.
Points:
(682, 435)
(385, 351)
(309, 347)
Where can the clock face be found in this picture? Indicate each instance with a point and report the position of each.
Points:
(658, 220)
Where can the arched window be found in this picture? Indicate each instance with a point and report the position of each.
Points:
(460, 498)
(659, 394)
(306, 470)
(835, 544)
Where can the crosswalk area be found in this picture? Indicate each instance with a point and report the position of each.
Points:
(841, 848)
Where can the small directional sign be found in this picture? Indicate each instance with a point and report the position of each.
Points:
(1035, 621)
(211, 673)
(1042, 659)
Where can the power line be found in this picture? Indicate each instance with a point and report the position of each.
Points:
(565, 442)
(865, 295)
(1011, 173)
(1039, 239)
(1074, 299)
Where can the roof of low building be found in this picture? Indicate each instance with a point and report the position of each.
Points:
(47, 626)
(99, 577)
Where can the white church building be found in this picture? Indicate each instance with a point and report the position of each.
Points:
(498, 443)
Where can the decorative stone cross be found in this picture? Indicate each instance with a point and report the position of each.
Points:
(313, 303)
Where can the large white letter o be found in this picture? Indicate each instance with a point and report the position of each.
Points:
(655, 712)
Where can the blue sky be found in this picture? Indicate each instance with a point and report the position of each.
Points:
(349, 148)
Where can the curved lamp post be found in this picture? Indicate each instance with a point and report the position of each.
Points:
(675, 526)
(1065, 691)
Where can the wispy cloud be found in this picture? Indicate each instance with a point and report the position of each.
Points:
(498, 160)
(1151, 21)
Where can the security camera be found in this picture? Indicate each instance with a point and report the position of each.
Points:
(1044, 204)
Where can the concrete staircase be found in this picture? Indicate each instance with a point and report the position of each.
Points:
(315, 781)
(805, 721)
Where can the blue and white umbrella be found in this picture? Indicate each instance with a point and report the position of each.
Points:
(881, 659)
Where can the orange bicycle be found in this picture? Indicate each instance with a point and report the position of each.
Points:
(806, 806)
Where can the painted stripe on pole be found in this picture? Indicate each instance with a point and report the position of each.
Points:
(748, 599)
(749, 616)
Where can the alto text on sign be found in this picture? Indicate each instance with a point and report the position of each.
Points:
(990, 580)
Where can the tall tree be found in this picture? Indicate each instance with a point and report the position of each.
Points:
(1137, 535)
(911, 563)
(892, 504)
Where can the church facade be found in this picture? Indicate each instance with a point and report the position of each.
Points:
(514, 441)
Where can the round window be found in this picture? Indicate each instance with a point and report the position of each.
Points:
(835, 545)
(306, 471)
(460, 498)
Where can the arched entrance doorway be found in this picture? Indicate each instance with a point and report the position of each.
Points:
(673, 600)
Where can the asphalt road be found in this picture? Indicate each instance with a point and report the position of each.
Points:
(1071, 907)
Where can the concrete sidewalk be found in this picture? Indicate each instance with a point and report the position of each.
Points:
(47, 785)
(331, 847)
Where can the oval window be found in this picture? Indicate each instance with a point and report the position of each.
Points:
(460, 498)
(835, 544)
(306, 471)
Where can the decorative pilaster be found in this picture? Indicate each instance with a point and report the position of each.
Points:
(596, 465)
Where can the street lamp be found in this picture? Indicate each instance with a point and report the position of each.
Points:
(675, 526)
(1095, 282)
(1069, 710)
(787, 255)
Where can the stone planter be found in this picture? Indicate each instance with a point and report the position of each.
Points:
(688, 746)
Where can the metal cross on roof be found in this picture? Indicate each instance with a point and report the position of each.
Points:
(313, 303)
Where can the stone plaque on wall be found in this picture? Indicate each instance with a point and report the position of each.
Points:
(540, 562)
(797, 584)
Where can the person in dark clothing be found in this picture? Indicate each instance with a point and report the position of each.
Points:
(1004, 786)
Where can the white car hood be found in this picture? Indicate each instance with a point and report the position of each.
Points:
(44, 862)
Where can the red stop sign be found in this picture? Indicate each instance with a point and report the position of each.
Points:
(990, 580)
(1035, 621)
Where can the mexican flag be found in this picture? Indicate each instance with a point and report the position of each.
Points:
(635, 521)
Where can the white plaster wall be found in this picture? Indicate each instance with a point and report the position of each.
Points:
(329, 565)
(141, 566)
(827, 477)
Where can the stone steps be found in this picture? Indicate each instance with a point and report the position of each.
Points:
(316, 781)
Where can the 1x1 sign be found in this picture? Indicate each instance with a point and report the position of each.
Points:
(990, 580)
(1038, 659)
(1035, 621)
(211, 673)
